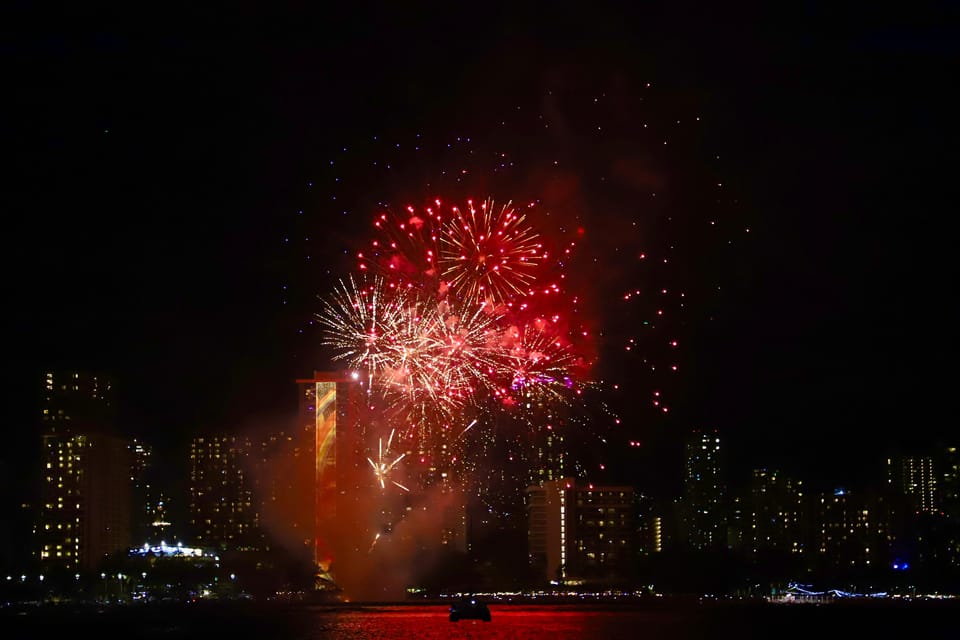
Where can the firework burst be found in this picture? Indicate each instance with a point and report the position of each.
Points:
(440, 329)
(465, 323)
(361, 325)
(526, 386)
(489, 254)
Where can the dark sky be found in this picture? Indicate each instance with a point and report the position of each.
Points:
(155, 158)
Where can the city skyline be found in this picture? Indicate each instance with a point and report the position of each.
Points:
(90, 408)
(301, 506)
(156, 179)
(247, 494)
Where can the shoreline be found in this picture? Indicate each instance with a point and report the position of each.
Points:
(518, 603)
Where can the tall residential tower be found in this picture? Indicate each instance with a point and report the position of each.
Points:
(703, 519)
(85, 494)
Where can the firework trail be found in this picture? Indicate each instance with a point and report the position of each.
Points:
(382, 467)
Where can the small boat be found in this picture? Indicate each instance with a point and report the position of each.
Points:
(469, 609)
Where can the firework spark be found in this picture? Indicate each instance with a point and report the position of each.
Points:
(406, 251)
(382, 467)
(536, 362)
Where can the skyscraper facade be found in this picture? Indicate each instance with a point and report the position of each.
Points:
(152, 502)
(223, 510)
(777, 513)
(84, 513)
(581, 534)
(329, 471)
(916, 478)
(852, 530)
(703, 517)
(950, 485)
(77, 402)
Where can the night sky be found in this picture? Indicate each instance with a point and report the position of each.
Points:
(156, 161)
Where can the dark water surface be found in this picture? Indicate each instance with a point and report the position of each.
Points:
(522, 622)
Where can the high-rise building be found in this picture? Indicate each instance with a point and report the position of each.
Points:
(649, 525)
(950, 480)
(921, 530)
(852, 530)
(739, 523)
(151, 507)
(776, 513)
(77, 402)
(84, 513)
(702, 513)
(223, 512)
(85, 509)
(916, 478)
(581, 534)
(950, 494)
(329, 470)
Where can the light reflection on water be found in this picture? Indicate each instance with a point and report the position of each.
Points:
(514, 622)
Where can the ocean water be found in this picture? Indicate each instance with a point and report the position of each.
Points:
(509, 621)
